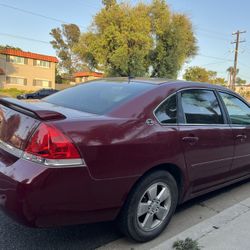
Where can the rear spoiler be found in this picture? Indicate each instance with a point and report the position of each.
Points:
(31, 110)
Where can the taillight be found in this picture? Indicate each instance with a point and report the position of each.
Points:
(50, 146)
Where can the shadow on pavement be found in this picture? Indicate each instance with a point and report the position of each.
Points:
(15, 236)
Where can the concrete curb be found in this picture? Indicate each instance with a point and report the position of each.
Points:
(214, 223)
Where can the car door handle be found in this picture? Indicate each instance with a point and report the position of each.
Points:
(190, 139)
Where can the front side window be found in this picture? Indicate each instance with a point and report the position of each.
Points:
(167, 112)
(200, 106)
(238, 111)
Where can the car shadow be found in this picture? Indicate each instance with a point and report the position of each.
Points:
(90, 236)
(209, 196)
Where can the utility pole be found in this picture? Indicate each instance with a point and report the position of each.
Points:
(237, 42)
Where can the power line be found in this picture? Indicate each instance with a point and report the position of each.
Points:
(243, 64)
(213, 31)
(217, 33)
(24, 38)
(45, 42)
(37, 14)
(213, 37)
(214, 63)
(244, 76)
(214, 57)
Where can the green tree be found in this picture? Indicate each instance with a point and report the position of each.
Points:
(65, 38)
(108, 3)
(133, 40)
(58, 77)
(220, 80)
(174, 40)
(230, 71)
(240, 81)
(199, 74)
(9, 47)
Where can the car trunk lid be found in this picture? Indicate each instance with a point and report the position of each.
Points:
(19, 119)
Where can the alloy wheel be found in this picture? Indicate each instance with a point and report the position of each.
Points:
(154, 206)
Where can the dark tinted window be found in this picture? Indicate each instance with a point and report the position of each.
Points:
(43, 92)
(201, 107)
(238, 111)
(97, 97)
(167, 112)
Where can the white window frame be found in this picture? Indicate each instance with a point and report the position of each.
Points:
(17, 78)
(41, 64)
(17, 59)
(42, 80)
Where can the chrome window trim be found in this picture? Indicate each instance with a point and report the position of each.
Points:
(232, 125)
(205, 125)
(163, 124)
(48, 163)
(195, 124)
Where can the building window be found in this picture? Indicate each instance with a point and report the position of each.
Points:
(40, 63)
(16, 80)
(41, 83)
(17, 59)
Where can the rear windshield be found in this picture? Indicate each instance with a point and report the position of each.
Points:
(97, 97)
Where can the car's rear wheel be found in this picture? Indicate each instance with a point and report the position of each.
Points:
(149, 207)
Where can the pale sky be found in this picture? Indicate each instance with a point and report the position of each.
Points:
(27, 23)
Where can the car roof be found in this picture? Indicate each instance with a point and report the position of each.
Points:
(169, 83)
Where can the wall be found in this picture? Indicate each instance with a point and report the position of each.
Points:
(27, 71)
(85, 79)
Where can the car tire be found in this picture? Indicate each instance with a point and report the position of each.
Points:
(149, 207)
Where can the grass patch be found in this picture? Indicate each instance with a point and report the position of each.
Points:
(13, 92)
(187, 244)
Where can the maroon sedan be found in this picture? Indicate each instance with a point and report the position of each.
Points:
(117, 149)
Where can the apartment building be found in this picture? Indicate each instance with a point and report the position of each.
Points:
(26, 70)
(86, 76)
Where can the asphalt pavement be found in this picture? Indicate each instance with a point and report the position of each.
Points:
(106, 235)
(15, 236)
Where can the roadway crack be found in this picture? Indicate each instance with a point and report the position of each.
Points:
(209, 208)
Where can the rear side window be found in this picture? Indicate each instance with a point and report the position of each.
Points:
(238, 111)
(200, 106)
(167, 112)
(98, 97)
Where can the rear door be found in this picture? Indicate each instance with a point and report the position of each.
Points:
(239, 114)
(206, 138)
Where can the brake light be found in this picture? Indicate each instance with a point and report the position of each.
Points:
(50, 146)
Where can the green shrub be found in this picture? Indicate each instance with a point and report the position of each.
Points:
(187, 244)
(12, 92)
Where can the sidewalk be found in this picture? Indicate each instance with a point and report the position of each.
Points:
(225, 209)
(229, 230)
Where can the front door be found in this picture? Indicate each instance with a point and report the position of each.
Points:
(239, 114)
(206, 137)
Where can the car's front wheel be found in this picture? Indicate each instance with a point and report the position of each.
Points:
(149, 207)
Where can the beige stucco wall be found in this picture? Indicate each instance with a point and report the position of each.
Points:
(27, 71)
(2, 66)
(85, 79)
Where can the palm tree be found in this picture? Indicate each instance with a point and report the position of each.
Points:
(230, 71)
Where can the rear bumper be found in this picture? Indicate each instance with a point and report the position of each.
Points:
(42, 197)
